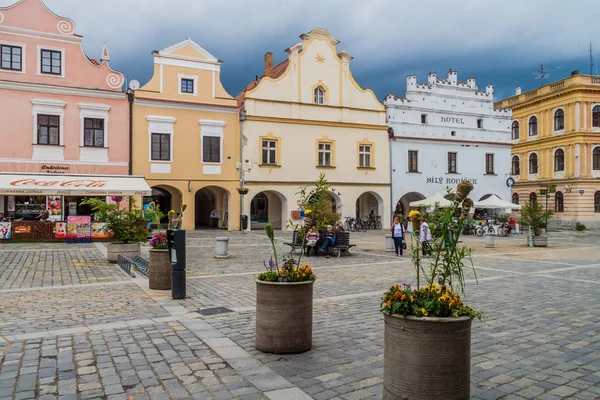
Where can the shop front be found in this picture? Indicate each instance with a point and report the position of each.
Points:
(35, 207)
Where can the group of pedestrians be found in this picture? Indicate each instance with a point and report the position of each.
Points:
(398, 234)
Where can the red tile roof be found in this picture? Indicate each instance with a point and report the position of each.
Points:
(278, 70)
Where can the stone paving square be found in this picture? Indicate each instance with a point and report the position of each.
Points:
(73, 326)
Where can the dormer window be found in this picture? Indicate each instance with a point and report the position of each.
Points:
(51, 62)
(319, 95)
(188, 84)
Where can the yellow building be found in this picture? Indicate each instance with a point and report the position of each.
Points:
(556, 136)
(186, 137)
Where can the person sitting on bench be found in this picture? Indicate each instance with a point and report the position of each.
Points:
(328, 240)
(312, 237)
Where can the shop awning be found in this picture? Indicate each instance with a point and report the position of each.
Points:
(72, 185)
(437, 199)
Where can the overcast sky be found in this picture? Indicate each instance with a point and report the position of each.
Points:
(498, 42)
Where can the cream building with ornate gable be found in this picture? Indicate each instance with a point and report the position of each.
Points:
(308, 116)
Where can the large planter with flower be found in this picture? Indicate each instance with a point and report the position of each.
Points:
(427, 334)
(160, 264)
(126, 225)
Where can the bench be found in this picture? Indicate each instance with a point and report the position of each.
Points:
(137, 262)
(295, 242)
(342, 243)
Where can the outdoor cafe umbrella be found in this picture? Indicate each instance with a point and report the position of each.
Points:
(437, 199)
(496, 203)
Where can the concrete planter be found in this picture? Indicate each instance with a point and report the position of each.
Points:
(222, 247)
(160, 270)
(127, 249)
(389, 243)
(284, 316)
(489, 240)
(426, 358)
(540, 241)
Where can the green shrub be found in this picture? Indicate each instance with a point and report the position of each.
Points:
(125, 225)
(580, 227)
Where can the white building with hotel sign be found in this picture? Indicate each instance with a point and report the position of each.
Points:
(445, 131)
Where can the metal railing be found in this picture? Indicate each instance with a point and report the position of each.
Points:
(139, 263)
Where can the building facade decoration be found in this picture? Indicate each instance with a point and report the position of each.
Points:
(186, 137)
(306, 116)
(556, 153)
(63, 112)
(445, 131)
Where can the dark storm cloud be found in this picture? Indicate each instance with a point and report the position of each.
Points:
(499, 42)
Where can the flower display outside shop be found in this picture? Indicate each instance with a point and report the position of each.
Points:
(159, 241)
(443, 271)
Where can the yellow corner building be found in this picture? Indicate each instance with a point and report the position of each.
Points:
(556, 137)
(186, 138)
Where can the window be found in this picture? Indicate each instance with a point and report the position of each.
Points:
(324, 154)
(515, 198)
(161, 147)
(559, 160)
(480, 123)
(93, 132)
(187, 86)
(597, 202)
(11, 58)
(319, 95)
(559, 205)
(559, 120)
(423, 118)
(515, 166)
(515, 130)
(452, 163)
(489, 164)
(532, 126)
(452, 133)
(533, 164)
(211, 149)
(48, 131)
(51, 62)
(413, 161)
(596, 117)
(532, 198)
(596, 159)
(364, 156)
(269, 152)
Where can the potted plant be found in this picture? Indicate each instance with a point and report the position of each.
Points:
(160, 264)
(126, 225)
(536, 217)
(243, 190)
(284, 292)
(427, 338)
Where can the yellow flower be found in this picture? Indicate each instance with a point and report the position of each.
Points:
(412, 299)
(172, 211)
(306, 212)
(424, 311)
(413, 213)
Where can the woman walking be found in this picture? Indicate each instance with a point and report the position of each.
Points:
(398, 235)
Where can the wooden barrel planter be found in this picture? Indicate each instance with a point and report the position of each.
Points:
(426, 358)
(284, 313)
(127, 249)
(160, 270)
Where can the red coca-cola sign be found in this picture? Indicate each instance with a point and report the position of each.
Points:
(87, 183)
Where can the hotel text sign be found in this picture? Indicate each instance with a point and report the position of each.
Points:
(453, 120)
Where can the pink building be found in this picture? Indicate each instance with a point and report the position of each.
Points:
(62, 112)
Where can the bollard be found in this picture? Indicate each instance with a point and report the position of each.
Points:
(176, 244)
(222, 247)
(389, 243)
(489, 240)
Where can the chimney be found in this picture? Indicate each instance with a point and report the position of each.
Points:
(576, 72)
(489, 90)
(518, 91)
(452, 77)
(431, 78)
(471, 83)
(269, 64)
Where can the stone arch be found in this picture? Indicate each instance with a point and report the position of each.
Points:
(403, 204)
(268, 207)
(212, 207)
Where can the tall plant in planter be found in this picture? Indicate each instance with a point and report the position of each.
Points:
(536, 217)
(427, 345)
(284, 292)
(127, 226)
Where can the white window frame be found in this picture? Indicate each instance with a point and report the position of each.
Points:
(62, 61)
(325, 151)
(194, 78)
(48, 107)
(160, 124)
(319, 95)
(362, 155)
(23, 47)
(269, 149)
(211, 128)
(408, 161)
(96, 111)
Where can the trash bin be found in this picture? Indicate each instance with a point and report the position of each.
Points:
(244, 222)
(389, 243)
(215, 222)
(222, 247)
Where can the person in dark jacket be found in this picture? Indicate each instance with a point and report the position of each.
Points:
(328, 240)
(398, 235)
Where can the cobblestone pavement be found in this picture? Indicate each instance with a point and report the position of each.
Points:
(74, 326)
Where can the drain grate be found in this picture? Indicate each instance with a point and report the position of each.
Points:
(214, 311)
